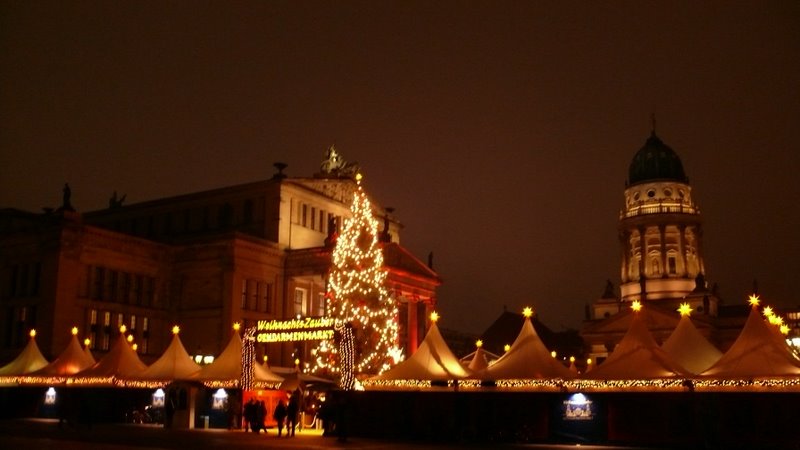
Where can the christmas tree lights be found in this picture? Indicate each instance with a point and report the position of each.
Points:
(357, 295)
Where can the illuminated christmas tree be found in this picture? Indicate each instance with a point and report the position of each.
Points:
(356, 295)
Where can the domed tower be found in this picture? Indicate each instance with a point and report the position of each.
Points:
(660, 229)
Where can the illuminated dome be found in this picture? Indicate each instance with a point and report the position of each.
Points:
(655, 161)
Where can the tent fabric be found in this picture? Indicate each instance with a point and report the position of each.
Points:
(689, 348)
(71, 361)
(227, 367)
(478, 362)
(174, 364)
(120, 362)
(757, 352)
(433, 361)
(637, 357)
(89, 355)
(29, 360)
(527, 358)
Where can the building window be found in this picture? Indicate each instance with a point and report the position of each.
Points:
(320, 309)
(299, 304)
(321, 221)
(252, 293)
(247, 212)
(145, 335)
(243, 304)
(269, 305)
(304, 215)
(97, 283)
(133, 323)
(106, 331)
(313, 221)
(120, 320)
(672, 264)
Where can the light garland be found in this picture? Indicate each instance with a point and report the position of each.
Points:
(357, 296)
(248, 357)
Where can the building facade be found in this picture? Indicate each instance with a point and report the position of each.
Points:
(662, 263)
(256, 251)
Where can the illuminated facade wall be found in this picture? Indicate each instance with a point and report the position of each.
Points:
(203, 260)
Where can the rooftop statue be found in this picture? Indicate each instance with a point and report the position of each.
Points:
(335, 165)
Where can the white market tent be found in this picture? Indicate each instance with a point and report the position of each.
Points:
(479, 361)
(120, 362)
(689, 348)
(29, 360)
(433, 361)
(226, 370)
(89, 354)
(637, 357)
(757, 352)
(174, 364)
(527, 358)
(71, 361)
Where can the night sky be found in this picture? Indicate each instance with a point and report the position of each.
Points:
(500, 131)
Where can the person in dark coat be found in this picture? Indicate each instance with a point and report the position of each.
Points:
(261, 416)
(280, 415)
(250, 414)
(293, 411)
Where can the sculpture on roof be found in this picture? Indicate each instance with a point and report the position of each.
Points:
(336, 166)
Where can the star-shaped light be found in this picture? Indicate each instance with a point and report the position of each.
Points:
(135, 347)
(479, 343)
(572, 359)
(236, 326)
(32, 333)
(754, 300)
(74, 331)
(130, 338)
(767, 311)
(685, 310)
(636, 306)
(776, 320)
(589, 361)
(86, 342)
(434, 317)
(123, 328)
(553, 354)
(506, 347)
(176, 329)
(784, 329)
(527, 312)
(359, 177)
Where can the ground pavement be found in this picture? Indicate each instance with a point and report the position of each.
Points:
(45, 434)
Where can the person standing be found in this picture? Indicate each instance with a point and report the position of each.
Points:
(280, 415)
(250, 414)
(293, 411)
(261, 416)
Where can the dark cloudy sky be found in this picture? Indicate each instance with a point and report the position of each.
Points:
(500, 131)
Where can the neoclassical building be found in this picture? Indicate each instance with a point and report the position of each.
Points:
(256, 251)
(662, 264)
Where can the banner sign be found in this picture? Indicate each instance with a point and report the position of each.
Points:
(291, 330)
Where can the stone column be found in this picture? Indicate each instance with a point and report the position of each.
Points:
(643, 252)
(662, 230)
(682, 249)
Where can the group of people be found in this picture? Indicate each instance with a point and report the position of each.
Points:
(255, 413)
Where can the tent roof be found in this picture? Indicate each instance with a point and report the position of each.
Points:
(227, 366)
(479, 361)
(29, 360)
(689, 348)
(71, 361)
(757, 352)
(432, 361)
(174, 364)
(121, 361)
(527, 358)
(637, 356)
